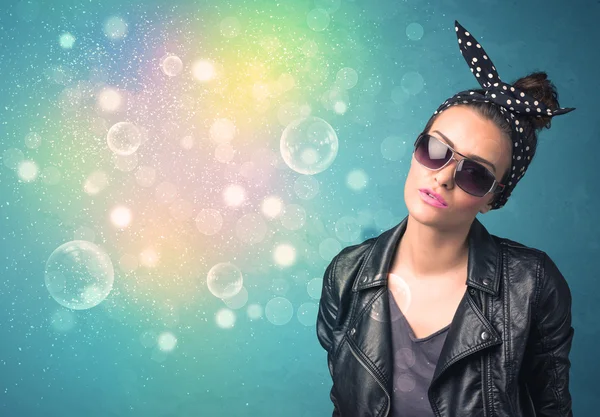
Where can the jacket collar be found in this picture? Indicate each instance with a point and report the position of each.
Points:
(470, 331)
(482, 259)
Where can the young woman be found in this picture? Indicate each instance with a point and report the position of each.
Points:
(437, 317)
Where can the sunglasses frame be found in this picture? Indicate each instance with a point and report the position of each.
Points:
(496, 186)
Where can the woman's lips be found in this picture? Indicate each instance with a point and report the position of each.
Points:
(431, 201)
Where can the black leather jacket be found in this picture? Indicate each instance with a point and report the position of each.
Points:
(506, 352)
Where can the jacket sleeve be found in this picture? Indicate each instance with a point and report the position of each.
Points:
(326, 319)
(550, 344)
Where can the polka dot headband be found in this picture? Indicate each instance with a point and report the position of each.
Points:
(515, 105)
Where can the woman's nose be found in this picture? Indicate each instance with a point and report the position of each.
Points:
(445, 176)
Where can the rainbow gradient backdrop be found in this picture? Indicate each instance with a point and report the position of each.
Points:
(212, 87)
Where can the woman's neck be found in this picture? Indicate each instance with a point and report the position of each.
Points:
(429, 252)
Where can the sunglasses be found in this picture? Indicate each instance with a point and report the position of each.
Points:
(471, 176)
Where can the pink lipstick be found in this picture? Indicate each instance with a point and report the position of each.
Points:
(430, 198)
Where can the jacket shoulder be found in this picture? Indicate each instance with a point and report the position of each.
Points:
(519, 250)
(347, 263)
(520, 263)
(538, 263)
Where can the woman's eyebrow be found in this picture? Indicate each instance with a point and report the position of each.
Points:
(473, 157)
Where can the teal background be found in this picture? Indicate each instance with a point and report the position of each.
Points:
(100, 367)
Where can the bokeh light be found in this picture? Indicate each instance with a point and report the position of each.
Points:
(284, 254)
(209, 221)
(225, 318)
(109, 100)
(414, 31)
(120, 216)
(28, 171)
(115, 28)
(167, 341)
(234, 195)
(203, 70)
(33, 140)
(96, 182)
(272, 206)
(279, 311)
(66, 40)
(318, 19)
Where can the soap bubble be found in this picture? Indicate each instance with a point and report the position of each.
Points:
(309, 145)
(171, 65)
(224, 280)
(79, 275)
(124, 138)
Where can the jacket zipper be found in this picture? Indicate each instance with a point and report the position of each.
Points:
(387, 410)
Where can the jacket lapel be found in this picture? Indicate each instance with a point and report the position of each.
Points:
(470, 330)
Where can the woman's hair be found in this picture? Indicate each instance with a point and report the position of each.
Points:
(536, 85)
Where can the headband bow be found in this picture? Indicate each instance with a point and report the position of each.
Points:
(515, 105)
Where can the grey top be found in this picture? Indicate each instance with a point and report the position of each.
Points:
(414, 364)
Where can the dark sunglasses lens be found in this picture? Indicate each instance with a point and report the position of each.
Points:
(474, 178)
(432, 152)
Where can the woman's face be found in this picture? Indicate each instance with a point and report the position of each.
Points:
(470, 134)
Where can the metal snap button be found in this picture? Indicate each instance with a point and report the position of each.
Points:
(472, 290)
(486, 282)
(352, 331)
(485, 335)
